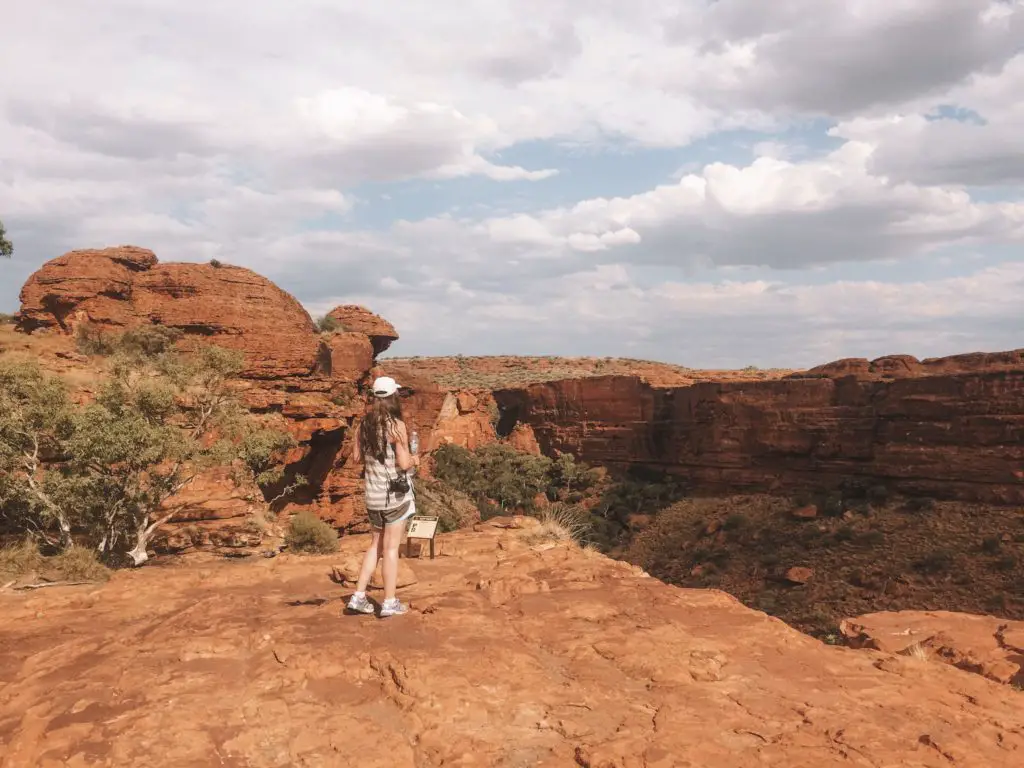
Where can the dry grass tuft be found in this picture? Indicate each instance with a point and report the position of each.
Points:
(559, 523)
(916, 651)
(21, 559)
(74, 564)
(79, 564)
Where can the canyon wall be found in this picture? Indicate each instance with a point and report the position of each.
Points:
(946, 428)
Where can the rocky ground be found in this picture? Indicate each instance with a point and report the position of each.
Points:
(518, 652)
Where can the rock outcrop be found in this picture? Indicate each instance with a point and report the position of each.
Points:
(950, 428)
(986, 645)
(512, 655)
(356, 319)
(118, 288)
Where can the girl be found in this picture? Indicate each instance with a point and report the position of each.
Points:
(382, 445)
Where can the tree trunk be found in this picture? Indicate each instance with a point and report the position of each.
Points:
(139, 555)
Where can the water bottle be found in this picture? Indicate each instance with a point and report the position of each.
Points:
(414, 446)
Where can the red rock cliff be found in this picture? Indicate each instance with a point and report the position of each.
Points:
(948, 428)
(126, 286)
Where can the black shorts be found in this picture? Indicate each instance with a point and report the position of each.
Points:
(381, 517)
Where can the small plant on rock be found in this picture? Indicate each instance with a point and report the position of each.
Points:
(559, 522)
(308, 534)
(329, 324)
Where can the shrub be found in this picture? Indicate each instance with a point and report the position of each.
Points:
(493, 472)
(844, 534)
(1007, 563)
(6, 319)
(20, 559)
(142, 342)
(832, 505)
(920, 504)
(329, 324)
(454, 510)
(991, 545)
(939, 561)
(77, 563)
(215, 264)
(734, 522)
(309, 534)
(90, 340)
(6, 246)
(871, 538)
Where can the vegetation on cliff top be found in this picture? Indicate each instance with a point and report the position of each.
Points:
(6, 246)
(104, 473)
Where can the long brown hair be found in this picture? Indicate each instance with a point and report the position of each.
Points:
(381, 414)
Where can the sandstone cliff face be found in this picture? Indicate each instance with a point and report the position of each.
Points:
(951, 428)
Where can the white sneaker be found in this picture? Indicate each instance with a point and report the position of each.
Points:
(359, 604)
(392, 607)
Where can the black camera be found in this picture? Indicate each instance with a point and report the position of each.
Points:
(398, 486)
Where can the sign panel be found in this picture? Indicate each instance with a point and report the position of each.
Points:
(422, 527)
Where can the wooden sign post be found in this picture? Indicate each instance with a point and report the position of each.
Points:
(421, 527)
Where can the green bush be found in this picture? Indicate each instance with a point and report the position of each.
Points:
(6, 319)
(496, 472)
(309, 534)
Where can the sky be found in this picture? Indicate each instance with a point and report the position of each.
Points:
(713, 183)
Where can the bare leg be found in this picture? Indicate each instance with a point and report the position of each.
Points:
(392, 541)
(373, 553)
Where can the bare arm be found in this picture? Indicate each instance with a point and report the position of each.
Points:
(403, 457)
(357, 451)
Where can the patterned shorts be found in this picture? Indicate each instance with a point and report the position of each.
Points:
(381, 517)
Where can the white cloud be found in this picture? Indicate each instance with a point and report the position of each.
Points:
(254, 133)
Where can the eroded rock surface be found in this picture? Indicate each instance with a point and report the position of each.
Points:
(511, 656)
(987, 645)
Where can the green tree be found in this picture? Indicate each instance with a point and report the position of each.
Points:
(6, 246)
(110, 469)
(36, 420)
(569, 476)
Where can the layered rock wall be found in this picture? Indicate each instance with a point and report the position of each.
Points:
(950, 428)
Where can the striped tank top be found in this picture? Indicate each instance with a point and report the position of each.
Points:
(375, 481)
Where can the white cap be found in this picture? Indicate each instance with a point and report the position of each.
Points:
(385, 386)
